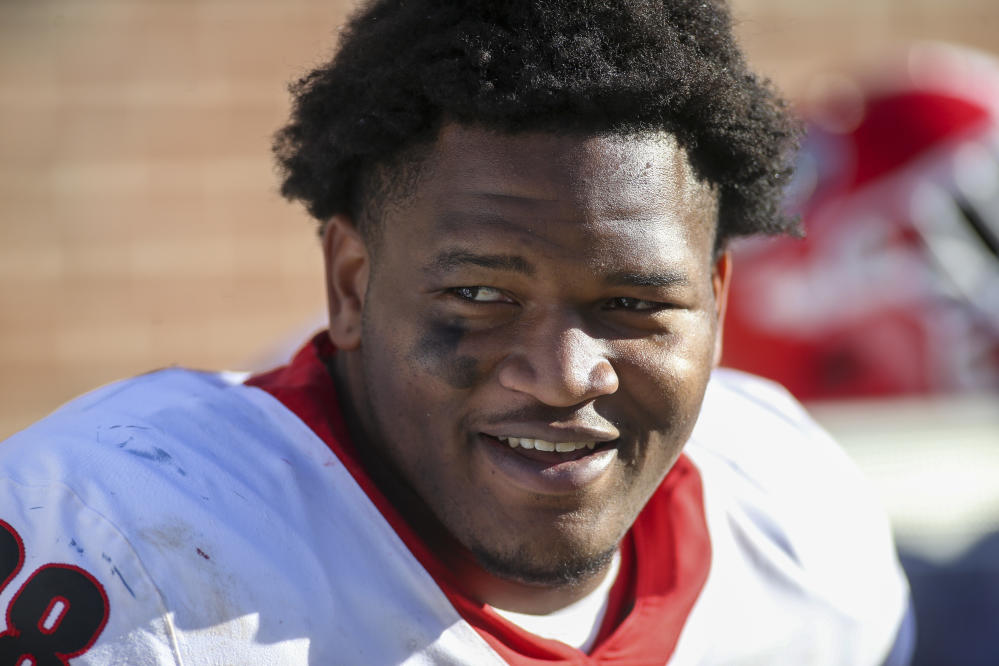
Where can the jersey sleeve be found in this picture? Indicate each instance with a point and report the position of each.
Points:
(798, 534)
(72, 587)
(190, 517)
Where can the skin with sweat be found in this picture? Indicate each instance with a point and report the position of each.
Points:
(531, 286)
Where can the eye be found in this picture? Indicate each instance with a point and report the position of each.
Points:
(480, 294)
(635, 304)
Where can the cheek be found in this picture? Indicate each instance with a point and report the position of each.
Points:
(667, 375)
(436, 352)
(683, 349)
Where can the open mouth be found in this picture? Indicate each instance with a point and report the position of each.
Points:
(546, 469)
(544, 445)
(543, 451)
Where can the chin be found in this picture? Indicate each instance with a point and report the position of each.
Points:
(524, 566)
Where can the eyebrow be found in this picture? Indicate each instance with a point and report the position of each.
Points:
(450, 260)
(628, 279)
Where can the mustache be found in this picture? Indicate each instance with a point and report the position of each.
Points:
(578, 415)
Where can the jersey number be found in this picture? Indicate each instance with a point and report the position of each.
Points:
(57, 614)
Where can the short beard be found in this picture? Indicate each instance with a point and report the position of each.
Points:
(519, 567)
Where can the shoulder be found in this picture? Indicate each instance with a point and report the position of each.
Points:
(144, 491)
(160, 431)
(153, 398)
(752, 430)
(796, 530)
(213, 521)
(735, 399)
(158, 436)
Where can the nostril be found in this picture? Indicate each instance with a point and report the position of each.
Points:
(559, 364)
(603, 378)
(554, 382)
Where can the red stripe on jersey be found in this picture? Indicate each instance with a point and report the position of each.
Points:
(665, 557)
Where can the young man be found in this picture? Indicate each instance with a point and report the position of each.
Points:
(491, 455)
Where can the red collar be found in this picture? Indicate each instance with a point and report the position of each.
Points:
(665, 557)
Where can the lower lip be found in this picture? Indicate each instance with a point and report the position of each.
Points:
(548, 473)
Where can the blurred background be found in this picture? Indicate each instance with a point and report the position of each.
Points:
(140, 226)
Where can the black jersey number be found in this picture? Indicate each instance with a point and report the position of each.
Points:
(57, 614)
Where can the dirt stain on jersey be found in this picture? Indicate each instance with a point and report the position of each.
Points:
(118, 435)
(117, 574)
(128, 438)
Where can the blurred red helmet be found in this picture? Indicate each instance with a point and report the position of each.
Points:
(896, 289)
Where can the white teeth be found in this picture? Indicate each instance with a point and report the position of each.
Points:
(543, 445)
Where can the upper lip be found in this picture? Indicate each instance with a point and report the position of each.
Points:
(553, 432)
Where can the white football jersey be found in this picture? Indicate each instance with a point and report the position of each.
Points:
(183, 517)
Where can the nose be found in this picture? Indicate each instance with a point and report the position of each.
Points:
(559, 365)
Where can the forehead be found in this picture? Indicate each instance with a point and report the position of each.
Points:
(477, 179)
(603, 170)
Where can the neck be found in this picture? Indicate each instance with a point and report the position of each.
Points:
(474, 581)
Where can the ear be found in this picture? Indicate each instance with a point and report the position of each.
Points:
(347, 268)
(720, 279)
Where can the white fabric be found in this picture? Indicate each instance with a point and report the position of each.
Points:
(224, 531)
(803, 566)
(146, 475)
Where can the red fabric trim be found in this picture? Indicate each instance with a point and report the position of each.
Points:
(622, 594)
(665, 557)
(19, 563)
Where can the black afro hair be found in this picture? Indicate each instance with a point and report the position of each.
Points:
(405, 67)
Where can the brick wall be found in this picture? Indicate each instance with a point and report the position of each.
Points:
(139, 220)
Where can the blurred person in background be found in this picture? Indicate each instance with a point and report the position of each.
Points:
(895, 289)
(894, 293)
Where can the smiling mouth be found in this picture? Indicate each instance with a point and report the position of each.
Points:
(545, 453)
(543, 445)
(548, 473)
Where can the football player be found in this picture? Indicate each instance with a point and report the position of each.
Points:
(510, 445)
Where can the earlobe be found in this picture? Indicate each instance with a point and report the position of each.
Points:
(347, 268)
(720, 280)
